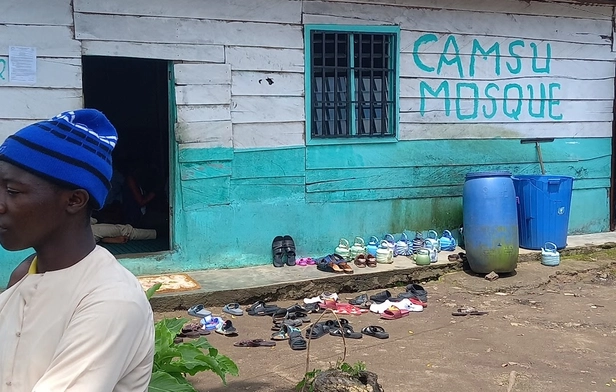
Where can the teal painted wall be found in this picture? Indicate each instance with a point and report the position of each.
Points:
(229, 205)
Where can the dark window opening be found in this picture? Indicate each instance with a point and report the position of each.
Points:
(353, 84)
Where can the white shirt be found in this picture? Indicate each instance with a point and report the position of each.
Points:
(85, 328)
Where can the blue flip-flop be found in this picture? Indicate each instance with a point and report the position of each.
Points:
(233, 308)
(199, 311)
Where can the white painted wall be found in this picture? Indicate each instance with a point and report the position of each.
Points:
(46, 25)
(239, 65)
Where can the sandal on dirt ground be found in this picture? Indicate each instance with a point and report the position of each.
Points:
(283, 333)
(290, 323)
(347, 331)
(375, 331)
(317, 330)
(260, 308)
(296, 340)
(468, 311)
(279, 315)
(254, 343)
(233, 309)
(362, 301)
(349, 309)
(313, 308)
(411, 297)
(227, 329)
(278, 251)
(418, 292)
(301, 316)
(381, 297)
(199, 311)
(191, 330)
(394, 313)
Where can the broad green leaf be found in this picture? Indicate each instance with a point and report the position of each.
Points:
(163, 336)
(174, 325)
(191, 357)
(150, 292)
(215, 367)
(175, 361)
(201, 343)
(163, 382)
(230, 366)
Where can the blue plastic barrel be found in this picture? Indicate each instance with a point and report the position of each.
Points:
(490, 222)
(543, 209)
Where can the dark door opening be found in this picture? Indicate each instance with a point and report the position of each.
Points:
(133, 94)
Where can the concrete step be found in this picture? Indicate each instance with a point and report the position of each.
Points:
(266, 283)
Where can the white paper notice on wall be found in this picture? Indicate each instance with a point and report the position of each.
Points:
(22, 64)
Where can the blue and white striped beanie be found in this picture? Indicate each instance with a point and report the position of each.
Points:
(72, 149)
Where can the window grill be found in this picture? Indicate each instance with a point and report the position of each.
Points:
(363, 107)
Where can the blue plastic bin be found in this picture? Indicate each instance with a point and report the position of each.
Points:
(543, 209)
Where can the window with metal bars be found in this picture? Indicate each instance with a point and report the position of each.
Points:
(352, 84)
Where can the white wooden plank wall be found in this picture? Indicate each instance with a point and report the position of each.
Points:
(203, 96)
(480, 96)
(47, 26)
(240, 65)
(244, 83)
(557, 8)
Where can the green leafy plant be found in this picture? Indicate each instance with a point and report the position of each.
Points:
(307, 381)
(174, 361)
(352, 370)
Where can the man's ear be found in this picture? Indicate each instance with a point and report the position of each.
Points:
(77, 201)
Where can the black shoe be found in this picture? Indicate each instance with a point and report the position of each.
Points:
(289, 248)
(278, 251)
(380, 297)
(359, 300)
(418, 292)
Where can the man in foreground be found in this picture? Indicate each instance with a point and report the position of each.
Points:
(73, 319)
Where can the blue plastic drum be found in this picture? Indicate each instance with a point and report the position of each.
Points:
(490, 222)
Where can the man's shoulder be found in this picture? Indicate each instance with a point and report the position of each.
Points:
(105, 276)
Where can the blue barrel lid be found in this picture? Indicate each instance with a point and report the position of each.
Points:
(502, 173)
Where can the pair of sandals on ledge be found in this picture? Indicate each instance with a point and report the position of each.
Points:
(334, 263)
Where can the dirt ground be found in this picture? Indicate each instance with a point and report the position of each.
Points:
(548, 329)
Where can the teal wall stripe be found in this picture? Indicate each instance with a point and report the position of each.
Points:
(202, 193)
(189, 153)
(230, 209)
(210, 169)
(280, 162)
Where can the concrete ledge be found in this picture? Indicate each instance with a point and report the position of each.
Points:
(385, 275)
(247, 285)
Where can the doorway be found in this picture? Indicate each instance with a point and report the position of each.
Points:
(134, 95)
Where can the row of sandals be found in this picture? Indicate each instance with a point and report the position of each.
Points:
(365, 255)
(287, 322)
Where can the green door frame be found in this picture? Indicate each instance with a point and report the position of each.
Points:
(175, 204)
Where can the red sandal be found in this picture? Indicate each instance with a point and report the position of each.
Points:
(394, 313)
